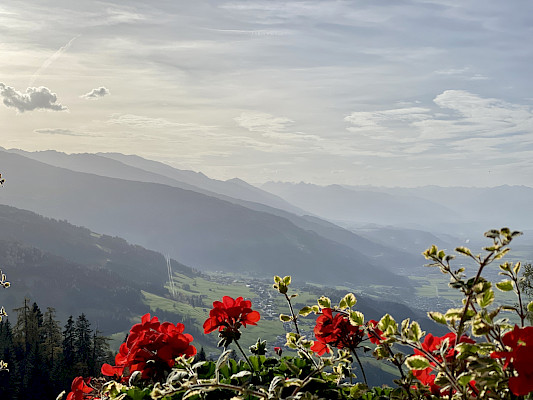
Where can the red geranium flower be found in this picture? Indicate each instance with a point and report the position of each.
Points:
(520, 340)
(79, 389)
(432, 344)
(374, 333)
(336, 331)
(150, 341)
(230, 314)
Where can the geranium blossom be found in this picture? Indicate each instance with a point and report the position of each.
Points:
(230, 314)
(374, 334)
(520, 340)
(433, 344)
(150, 341)
(80, 389)
(335, 331)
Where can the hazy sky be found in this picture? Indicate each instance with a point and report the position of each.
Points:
(396, 93)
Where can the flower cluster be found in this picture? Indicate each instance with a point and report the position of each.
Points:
(520, 358)
(80, 389)
(151, 348)
(228, 316)
(433, 346)
(335, 331)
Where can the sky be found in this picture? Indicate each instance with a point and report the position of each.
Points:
(387, 93)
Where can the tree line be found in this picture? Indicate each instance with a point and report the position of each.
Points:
(43, 357)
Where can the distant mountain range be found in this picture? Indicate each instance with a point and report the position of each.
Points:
(209, 232)
(439, 209)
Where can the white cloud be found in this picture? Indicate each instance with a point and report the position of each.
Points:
(96, 93)
(142, 121)
(35, 98)
(63, 132)
(262, 122)
(51, 59)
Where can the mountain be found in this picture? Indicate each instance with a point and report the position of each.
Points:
(481, 208)
(232, 188)
(110, 167)
(362, 206)
(460, 211)
(199, 230)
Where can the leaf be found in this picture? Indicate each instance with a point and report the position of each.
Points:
(530, 307)
(505, 286)
(324, 302)
(415, 332)
(464, 250)
(437, 317)
(486, 298)
(350, 300)
(287, 280)
(220, 362)
(285, 318)
(305, 311)
(517, 267)
(242, 374)
(357, 318)
(388, 325)
(417, 363)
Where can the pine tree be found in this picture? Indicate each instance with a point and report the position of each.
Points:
(82, 345)
(51, 338)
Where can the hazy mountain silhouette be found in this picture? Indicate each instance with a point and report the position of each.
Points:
(101, 165)
(456, 210)
(199, 230)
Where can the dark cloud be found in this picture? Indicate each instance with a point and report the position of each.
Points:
(35, 98)
(96, 93)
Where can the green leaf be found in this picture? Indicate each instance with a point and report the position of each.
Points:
(350, 300)
(305, 311)
(437, 317)
(415, 332)
(464, 250)
(388, 325)
(357, 318)
(517, 267)
(486, 298)
(324, 302)
(287, 280)
(500, 254)
(530, 307)
(505, 286)
(285, 318)
(417, 363)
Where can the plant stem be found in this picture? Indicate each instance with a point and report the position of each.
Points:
(360, 365)
(245, 356)
(294, 318)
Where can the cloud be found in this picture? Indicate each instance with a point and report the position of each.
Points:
(51, 59)
(262, 122)
(57, 131)
(95, 94)
(141, 121)
(35, 98)
(464, 124)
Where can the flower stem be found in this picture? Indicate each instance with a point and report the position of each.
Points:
(245, 356)
(294, 318)
(360, 365)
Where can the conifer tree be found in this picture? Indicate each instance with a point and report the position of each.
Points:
(82, 345)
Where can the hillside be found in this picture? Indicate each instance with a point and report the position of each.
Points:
(129, 167)
(201, 231)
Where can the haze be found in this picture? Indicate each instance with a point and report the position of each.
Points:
(392, 93)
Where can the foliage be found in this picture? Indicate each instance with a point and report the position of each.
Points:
(483, 356)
